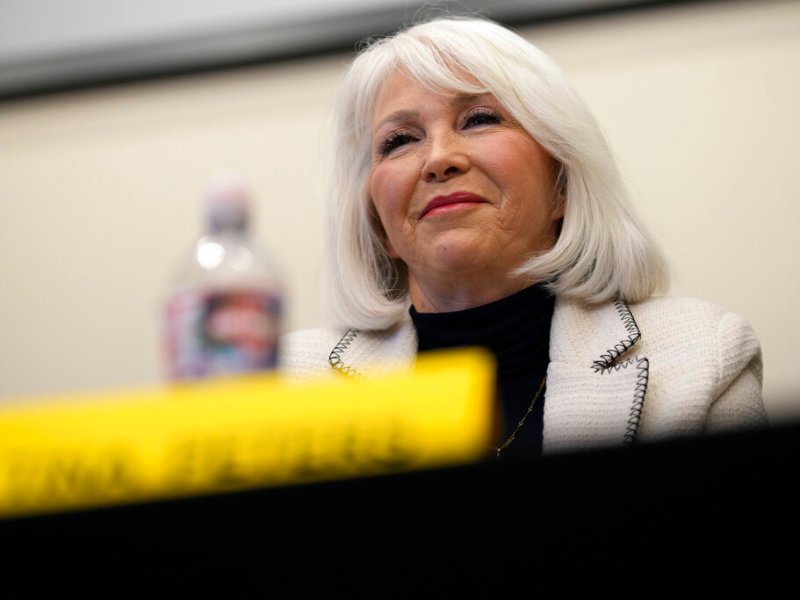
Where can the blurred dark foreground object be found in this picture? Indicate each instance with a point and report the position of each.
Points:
(684, 516)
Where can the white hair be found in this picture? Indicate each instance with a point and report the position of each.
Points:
(602, 251)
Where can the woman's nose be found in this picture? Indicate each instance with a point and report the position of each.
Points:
(446, 158)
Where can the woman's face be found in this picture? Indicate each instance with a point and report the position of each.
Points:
(464, 193)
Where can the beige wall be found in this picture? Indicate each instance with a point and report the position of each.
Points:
(99, 189)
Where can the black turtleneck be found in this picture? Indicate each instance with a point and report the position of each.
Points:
(516, 330)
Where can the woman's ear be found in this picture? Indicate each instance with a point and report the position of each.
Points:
(560, 191)
(559, 208)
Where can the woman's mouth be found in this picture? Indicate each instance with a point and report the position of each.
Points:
(450, 202)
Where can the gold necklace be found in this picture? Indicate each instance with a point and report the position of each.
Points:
(507, 443)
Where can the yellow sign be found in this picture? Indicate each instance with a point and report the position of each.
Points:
(235, 433)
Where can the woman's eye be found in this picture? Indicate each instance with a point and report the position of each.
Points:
(482, 117)
(393, 141)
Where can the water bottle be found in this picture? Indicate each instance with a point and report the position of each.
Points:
(224, 307)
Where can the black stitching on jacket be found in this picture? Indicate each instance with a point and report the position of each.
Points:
(616, 367)
(335, 357)
(607, 359)
(643, 366)
(605, 364)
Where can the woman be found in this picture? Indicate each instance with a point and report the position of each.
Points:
(474, 201)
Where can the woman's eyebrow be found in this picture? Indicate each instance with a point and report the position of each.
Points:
(463, 99)
(457, 101)
(398, 115)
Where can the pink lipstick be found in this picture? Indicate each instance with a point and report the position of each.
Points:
(442, 203)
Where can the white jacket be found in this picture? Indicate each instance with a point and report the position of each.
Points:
(660, 368)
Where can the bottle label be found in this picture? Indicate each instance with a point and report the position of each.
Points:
(222, 332)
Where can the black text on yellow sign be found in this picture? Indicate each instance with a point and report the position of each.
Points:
(245, 432)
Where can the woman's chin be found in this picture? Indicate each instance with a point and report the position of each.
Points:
(453, 258)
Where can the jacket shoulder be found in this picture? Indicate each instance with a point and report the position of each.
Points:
(696, 311)
(704, 352)
(698, 326)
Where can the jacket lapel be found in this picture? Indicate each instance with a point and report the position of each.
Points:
(595, 385)
(361, 354)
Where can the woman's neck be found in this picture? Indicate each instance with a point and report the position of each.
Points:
(453, 294)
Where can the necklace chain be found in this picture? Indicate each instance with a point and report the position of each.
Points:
(507, 443)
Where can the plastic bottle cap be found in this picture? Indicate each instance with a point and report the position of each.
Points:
(228, 202)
